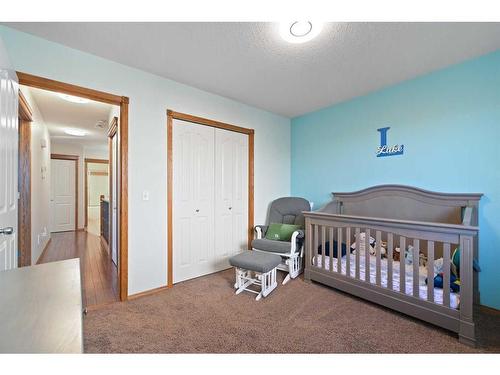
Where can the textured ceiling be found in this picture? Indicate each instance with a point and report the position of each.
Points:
(59, 114)
(250, 63)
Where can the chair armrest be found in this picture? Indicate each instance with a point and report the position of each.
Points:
(260, 230)
(300, 234)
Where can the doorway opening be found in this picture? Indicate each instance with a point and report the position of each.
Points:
(70, 205)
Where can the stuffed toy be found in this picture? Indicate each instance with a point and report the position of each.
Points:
(327, 249)
(396, 254)
(454, 282)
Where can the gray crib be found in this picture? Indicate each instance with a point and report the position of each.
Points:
(397, 216)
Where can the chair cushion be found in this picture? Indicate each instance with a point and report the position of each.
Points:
(255, 261)
(264, 244)
(281, 232)
(288, 210)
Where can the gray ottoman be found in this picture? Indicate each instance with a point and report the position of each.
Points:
(255, 268)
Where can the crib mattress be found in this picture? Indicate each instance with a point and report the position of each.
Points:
(438, 292)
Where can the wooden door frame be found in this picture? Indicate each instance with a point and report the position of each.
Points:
(123, 102)
(86, 161)
(76, 159)
(172, 115)
(24, 183)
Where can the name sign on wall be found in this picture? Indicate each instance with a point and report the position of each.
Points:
(386, 150)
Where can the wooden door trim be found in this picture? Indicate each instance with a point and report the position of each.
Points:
(76, 159)
(85, 177)
(122, 101)
(207, 122)
(24, 182)
(171, 115)
(112, 129)
(25, 111)
(66, 88)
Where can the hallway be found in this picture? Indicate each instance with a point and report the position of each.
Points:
(99, 275)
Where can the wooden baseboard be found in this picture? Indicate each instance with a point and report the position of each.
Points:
(489, 310)
(148, 292)
(43, 251)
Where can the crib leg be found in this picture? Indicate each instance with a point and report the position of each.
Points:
(466, 334)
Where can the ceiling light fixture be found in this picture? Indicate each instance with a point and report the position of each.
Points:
(300, 31)
(73, 99)
(76, 132)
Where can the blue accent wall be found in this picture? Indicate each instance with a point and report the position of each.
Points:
(449, 123)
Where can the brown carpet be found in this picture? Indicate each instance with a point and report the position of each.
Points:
(204, 316)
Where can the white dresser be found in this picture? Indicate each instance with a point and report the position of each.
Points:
(41, 309)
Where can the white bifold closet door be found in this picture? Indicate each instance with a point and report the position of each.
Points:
(231, 194)
(210, 198)
(193, 199)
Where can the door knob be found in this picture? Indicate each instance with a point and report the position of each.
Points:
(6, 230)
(197, 210)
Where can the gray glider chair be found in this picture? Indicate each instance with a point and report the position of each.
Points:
(286, 210)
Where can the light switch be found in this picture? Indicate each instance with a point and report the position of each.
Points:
(145, 195)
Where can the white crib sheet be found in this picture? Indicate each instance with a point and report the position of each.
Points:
(438, 292)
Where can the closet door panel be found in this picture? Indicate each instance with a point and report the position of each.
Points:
(240, 192)
(223, 197)
(231, 194)
(193, 199)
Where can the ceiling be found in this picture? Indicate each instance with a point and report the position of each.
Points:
(250, 63)
(59, 114)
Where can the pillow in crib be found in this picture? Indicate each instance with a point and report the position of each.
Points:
(281, 232)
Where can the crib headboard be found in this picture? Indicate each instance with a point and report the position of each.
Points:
(407, 203)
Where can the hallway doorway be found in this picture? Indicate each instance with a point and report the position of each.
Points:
(68, 150)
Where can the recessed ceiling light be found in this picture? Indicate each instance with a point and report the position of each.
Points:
(73, 99)
(76, 132)
(300, 31)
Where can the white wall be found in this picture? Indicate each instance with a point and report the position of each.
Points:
(97, 185)
(150, 97)
(40, 181)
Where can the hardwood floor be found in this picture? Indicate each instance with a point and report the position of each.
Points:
(99, 274)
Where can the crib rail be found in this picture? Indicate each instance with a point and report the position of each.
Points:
(425, 238)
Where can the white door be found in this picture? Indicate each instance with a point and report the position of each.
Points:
(8, 165)
(193, 200)
(62, 195)
(114, 201)
(231, 195)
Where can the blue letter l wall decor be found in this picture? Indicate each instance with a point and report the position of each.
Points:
(383, 149)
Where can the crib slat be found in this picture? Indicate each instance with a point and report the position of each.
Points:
(357, 251)
(367, 255)
(390, 255)
(315, 241)
(330, 238)
(430, 271)
(323, 249)
(309, 242)
(339, 250)
(446, 276)
(402, 268)
(416, 261)
(378, 238)
(348, 252)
